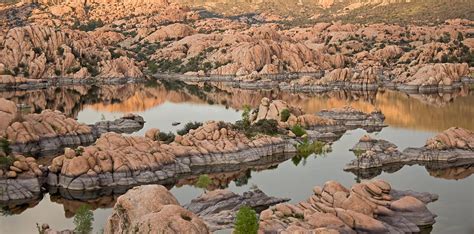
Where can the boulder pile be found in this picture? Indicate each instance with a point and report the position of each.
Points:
(368, 207)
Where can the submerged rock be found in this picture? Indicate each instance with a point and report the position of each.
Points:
(219, 208)
(371, 206)
(152, 209)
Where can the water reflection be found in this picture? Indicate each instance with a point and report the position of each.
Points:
(412, 118)
(415, 111)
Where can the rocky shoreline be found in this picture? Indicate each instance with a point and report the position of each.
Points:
(452, 148)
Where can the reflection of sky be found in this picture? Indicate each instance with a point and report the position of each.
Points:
(295, 182)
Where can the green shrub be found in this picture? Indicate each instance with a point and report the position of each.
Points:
(358, 152)
(285, 114)
(83, 220)
(37, 50)
(166, 137)
(5, 146)
(188, 127)
(266, 126)
(298, 130)
(246, 221)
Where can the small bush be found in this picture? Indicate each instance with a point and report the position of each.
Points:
(188, 127)
(246, 221)
(37, 50)
(57, 72)
(285, 114)
(166, 137)
(5, 146)
(266, 126)
(60, 51)
(298, 130)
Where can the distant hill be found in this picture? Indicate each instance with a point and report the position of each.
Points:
(357, 11)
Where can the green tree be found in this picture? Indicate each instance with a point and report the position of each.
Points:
(246, 115)
(203, 182)
(246, 221)
(83, 220)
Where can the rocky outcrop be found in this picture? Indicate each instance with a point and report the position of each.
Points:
(453, 147)
(218, 208)
(152, 209)
(432, 77)
(40, 52)
(116, 160)
(371, 206)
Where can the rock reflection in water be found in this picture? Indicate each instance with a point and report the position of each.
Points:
(448, 171)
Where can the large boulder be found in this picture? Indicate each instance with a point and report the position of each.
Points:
(152, 209)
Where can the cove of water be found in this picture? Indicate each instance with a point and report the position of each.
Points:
(411, 119)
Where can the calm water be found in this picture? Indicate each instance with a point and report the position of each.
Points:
(412, 119)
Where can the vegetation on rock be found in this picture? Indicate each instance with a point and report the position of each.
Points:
(246, 221)
(188, 127)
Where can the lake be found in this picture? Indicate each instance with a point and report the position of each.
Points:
(411, 118)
